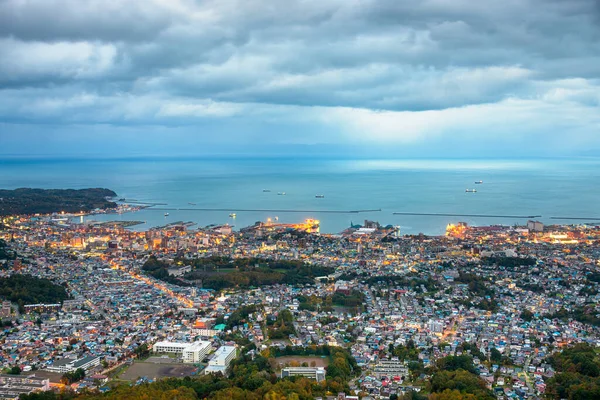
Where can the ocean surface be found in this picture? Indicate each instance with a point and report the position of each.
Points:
(549, 188)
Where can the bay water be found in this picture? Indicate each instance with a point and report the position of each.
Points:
(545, 187)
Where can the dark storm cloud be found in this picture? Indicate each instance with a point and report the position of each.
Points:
(181, 61)
(154, 36)
(107, 20)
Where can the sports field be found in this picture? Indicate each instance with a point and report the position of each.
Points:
(281, 362)
(157, 371)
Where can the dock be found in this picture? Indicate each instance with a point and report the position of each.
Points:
(144, 203)
(264, 210)
(578, 218)
(122, 224)
(468, 215)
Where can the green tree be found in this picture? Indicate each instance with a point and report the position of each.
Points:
(527, 315)
(412, 395)
(142, 351)
(495, 356)
(461, 381)
(15, 370)
(73, 376)
(453, 363)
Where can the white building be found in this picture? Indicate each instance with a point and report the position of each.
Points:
(196, 352)
(436, 326)
(12, 386)
(179, 271)
(204, 332)
(535, 226)
(390, 368)
(65, 365)
(220, 362)
(169, 347)
(316, 373)
(190, 352)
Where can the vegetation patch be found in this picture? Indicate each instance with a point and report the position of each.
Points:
(341, 364)
(47, 201)
(578, 374)
(509, 262)
(224, 273)
(282, 327)
(586, 315)
(157, 371)
(300, 361)
(27, 289)
(5, 252)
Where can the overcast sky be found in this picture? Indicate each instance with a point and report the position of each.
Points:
(341, 77)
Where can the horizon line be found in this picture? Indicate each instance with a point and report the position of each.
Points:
(174, 157)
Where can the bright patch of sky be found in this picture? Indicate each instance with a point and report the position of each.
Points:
(339, 77)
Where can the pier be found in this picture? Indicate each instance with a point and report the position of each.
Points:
(142, 203)
(176, 223)
(264, 210)
(468, 215)
(578, 218)
(122, 224)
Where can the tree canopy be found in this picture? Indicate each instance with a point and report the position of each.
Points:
(578, 374)
(46, 201)
(27, 289)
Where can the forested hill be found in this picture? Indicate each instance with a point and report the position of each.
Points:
(5, 252)
(27, 289)
(45, 201)
(224, 272)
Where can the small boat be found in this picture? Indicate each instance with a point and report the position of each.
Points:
(166, 214)
(266, 190)
(281, 193)
(320, 196)
(232, 215)
(192, 204)
(478, 182)
(470, 190)
(276, 218)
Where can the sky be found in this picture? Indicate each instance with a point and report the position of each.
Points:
(391, 78)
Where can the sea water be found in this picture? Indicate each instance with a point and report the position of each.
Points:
(545, 187)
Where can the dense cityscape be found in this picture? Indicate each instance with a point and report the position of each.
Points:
(368, 313)
(299, 200)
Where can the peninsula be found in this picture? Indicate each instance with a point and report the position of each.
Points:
(45, 201)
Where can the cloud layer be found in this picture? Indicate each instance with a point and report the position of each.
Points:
(395, 74)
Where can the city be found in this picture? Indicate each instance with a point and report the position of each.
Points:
(299, 200)
(175, 301)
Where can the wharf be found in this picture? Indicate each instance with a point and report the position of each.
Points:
(468, 215)
(266, 210)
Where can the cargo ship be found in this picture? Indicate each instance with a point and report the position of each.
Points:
(320, 196)
(470, 190)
